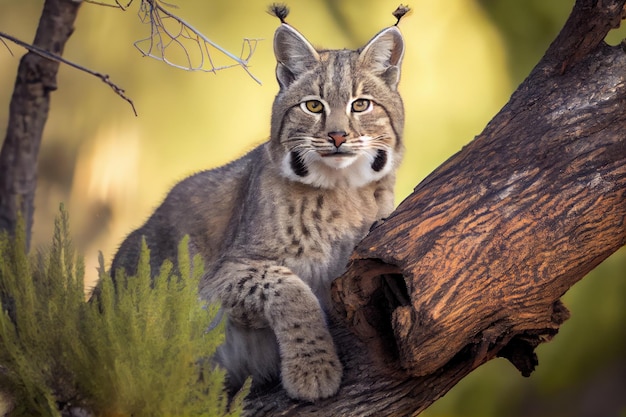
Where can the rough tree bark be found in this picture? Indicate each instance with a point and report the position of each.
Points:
(472, 265)
(28, 112)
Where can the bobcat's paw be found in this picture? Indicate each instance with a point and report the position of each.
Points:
(313, 371)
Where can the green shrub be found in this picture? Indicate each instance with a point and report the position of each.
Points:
(137, 350)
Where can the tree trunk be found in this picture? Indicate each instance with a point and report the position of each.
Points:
(28, 112)
(472, 264)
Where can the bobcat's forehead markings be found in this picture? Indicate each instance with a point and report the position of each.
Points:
(337, 75)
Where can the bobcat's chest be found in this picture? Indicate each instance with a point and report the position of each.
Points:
(318, 232)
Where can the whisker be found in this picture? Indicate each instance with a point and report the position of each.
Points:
(301, 148)
(296, 138)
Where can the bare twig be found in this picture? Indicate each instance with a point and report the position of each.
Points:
(53, 57)
(170, 31)
(117, 4)
(172, 39)
(6, 45)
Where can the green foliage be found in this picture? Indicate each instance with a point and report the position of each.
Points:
(41, 299)
(137, 349)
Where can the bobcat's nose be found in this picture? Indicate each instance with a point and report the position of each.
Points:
(337, 138)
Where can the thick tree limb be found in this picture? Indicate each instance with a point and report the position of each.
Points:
(472, 265)
(28, 112)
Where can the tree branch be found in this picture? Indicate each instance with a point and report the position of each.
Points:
(472, 265)
(53, 57)
(170, 32)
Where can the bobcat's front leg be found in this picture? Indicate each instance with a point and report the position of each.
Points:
(258, 295)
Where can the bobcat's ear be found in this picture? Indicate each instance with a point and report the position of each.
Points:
(294, 54)
(383, 55)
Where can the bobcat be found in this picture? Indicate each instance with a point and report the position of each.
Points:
(276, 226)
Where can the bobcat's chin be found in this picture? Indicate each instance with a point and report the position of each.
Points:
(354, 170)
(338, 160)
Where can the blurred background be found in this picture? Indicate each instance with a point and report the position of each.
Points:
(463, 60)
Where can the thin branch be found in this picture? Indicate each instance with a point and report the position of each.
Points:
(6, 45)
(53, 57)
(117, 4)
(183, 37)
(170, 32)
(99, 3)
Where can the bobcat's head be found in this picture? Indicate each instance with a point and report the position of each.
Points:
(338, 117)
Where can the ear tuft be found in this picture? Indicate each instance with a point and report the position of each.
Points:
(383, 55)
(399, 13)
(279, 10)
(294, 54)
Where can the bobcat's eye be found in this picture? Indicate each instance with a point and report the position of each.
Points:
(360, 105)
(313, 106)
